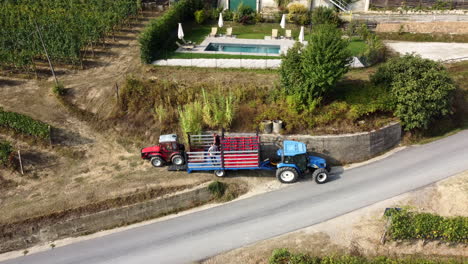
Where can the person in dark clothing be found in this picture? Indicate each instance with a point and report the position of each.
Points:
(216, 140)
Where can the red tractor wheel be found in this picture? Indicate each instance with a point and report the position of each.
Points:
(177, 160)
(157, 161)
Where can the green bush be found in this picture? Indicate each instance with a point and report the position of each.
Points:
(160, 34)
(422, 89)
(5, 151)
(283, 256)
(291, 76)
(245, 14)
(59, 89)
(191, 118)
(228, 15)
(325, 15)
(298, 14)
(412, 225)
(218, 109)
(217, 189)
(200, 16)
(24, 124)
(375, 50)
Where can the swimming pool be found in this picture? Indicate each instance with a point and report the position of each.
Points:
(243, 48)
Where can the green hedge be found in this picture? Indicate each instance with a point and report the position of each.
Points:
(283, 256)
(5, 151)
(24, 124)
(161, 32)
(412, 225)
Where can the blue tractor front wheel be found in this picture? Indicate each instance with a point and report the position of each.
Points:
(320, 175)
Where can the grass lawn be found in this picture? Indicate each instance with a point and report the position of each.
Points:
(197, 33)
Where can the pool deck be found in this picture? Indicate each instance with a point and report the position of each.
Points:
(284, 44)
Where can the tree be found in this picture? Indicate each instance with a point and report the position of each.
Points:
(325, 60)
(309, 73)
(422, 89)
(291, 76)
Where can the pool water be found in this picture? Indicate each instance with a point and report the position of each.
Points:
(243, 48)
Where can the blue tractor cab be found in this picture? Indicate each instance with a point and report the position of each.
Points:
(296, 162)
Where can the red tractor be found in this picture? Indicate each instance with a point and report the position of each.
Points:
(167, 151)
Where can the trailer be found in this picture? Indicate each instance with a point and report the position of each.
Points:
(243, 152)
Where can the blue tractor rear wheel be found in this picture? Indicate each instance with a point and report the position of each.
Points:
(287, 175)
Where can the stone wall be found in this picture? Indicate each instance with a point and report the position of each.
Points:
(341, 149)
(26, 234)
(425, 27)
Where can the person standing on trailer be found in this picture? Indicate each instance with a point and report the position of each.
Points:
(216, 140)
(212, 152)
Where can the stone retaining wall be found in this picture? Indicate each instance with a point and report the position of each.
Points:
(347, 148)
(425, 27)
(25, 235)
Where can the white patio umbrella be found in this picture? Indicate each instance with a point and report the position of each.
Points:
(180, 33)
(301, 35)
(220, 21)
(283, 21)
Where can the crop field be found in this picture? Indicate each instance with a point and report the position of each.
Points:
(68, 28)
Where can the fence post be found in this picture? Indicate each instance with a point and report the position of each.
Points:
(21, 163)
(50, 136)
(117, 91)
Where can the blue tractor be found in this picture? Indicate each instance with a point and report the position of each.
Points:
(296, 162)
(244, 153)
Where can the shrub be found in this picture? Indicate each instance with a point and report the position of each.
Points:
(160, 113)
(159, 35)
(283, 256)
(191, 118)
(218, 109)
(412, 225)
(352, 27)
(422, 89)
(5, 151)
(217, 189)
(291, 76)
(375, 50)
(200, 16)
(298, 14)
(325, 15)
(245, 14)
(59, 89)
(24, 124)
(228, 15)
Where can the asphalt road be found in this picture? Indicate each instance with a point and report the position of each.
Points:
(206, 233)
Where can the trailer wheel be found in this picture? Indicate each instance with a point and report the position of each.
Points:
(320, 175)
(287, 175)
(220, 173)
(177, 160)
(157, 161)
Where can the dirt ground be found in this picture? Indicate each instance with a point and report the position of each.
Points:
(359, 232)
(83, 166)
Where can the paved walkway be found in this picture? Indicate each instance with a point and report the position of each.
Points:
(232, 63)
(422, 17)
(432, 50)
